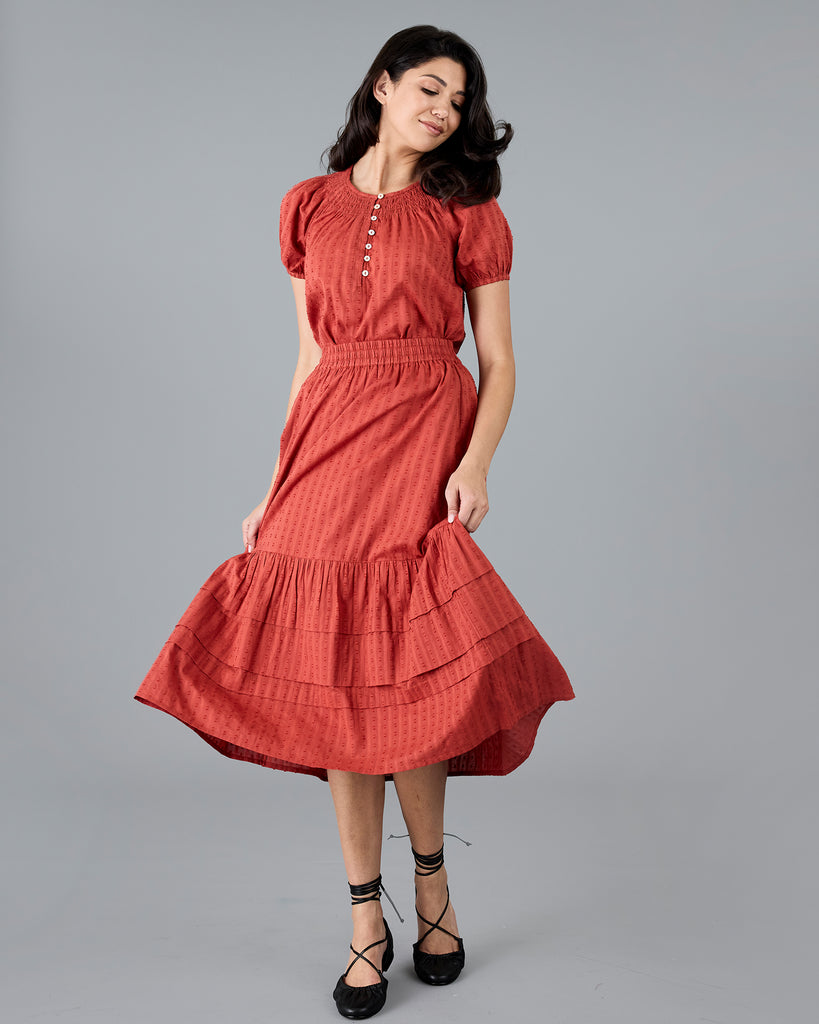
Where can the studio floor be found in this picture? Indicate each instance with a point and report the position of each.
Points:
(222, 897)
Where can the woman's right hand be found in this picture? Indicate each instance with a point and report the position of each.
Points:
(250, 526)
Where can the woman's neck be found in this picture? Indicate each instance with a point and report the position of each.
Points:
(381, 171)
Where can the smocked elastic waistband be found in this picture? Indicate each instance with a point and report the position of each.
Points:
(388, 350)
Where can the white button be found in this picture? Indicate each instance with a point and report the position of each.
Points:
(369, 245)
(373, 217)
(377, 206)
(371, 232)
(366, 259)
(380, 195)
(365, 273)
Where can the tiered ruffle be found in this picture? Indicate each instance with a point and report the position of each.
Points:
(305, 664)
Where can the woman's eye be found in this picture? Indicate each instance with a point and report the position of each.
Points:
(432, 92)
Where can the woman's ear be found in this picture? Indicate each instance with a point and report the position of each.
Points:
(381, 87)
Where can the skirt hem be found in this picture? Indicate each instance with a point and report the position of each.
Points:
(456, 768)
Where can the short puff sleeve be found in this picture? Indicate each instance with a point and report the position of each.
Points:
(484, 252)
(296, 209)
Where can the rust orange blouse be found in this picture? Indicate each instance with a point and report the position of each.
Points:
(393, 265)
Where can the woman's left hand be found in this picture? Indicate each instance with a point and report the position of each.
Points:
(466, 496)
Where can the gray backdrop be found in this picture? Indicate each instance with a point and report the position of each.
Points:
(654, 503)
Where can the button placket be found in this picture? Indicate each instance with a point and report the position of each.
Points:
(371, 234)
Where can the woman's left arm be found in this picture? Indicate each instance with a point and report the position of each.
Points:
(491, 324)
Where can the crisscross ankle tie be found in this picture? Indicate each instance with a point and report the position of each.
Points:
(371, 891)
(431, 861)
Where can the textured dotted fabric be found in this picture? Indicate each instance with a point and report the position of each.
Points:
(365, 632)
(423, 256)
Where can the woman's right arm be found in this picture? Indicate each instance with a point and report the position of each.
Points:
(309, 355)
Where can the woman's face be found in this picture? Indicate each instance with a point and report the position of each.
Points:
(423, 108)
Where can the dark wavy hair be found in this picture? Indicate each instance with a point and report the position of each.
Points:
(465, 167)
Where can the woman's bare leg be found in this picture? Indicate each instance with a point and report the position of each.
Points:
(359, 804)
(421, 794)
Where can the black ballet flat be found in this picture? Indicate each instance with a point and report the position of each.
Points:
(360, 1002)
(436, 968)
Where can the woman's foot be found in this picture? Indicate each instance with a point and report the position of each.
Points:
(431, 897)
(368, 927)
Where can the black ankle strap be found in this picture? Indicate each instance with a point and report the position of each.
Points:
(432, 862)
(371, 891)
(367, 891)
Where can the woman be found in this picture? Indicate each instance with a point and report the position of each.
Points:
(362, 636)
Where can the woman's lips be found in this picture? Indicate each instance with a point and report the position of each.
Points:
(433, 128)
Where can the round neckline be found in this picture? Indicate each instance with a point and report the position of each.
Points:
(348, 179)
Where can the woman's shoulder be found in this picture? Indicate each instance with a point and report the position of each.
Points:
(487, 214)
(309, 188)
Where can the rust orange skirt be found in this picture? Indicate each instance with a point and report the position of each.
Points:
(364, 632)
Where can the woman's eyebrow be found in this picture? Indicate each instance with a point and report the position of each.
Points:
(460, 92)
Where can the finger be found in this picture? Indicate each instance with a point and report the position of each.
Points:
(475, 520)
(452, 502)
(477, 507)
(467, 512)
